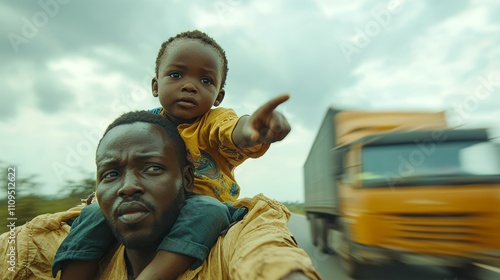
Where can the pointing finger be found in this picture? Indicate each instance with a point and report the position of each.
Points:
(273, 103)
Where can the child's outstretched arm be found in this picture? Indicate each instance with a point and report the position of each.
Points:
(264, 125)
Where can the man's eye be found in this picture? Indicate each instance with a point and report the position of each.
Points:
(109, 175)
(153, 168)
(206, 81)
(175, 75)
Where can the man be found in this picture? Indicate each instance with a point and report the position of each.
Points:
(143, 178)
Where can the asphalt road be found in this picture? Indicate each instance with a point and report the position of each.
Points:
(329, 267)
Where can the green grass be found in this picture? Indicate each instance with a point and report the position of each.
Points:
(28, 207)
(295, 207)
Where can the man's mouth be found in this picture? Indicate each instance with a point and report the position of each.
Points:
(133, 217)
(132, 212)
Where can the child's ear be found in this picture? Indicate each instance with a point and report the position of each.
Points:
(154, 86)
(219, 98)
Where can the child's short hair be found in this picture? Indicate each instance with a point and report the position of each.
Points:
(196, 35)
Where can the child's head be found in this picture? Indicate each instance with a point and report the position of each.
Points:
(191, 70)
(195, 35)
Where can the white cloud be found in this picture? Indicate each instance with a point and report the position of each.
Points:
(111, 53)
(332, 9)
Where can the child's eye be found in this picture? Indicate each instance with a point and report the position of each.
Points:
(206, 81)
(175, 75)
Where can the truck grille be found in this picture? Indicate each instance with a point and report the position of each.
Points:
(437, 233)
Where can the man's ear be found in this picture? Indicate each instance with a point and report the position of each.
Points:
(188, 177)
(154, 86)
(219, 98)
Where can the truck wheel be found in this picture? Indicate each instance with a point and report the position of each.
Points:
(321, 238)
(312, 223)
(351, 266)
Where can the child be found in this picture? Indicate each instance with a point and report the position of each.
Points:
(191, 70)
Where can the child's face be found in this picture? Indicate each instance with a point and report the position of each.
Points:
(189, 80)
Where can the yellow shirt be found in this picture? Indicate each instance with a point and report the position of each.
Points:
(210, 147)
(260, 246)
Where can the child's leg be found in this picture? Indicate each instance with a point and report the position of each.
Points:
(196, 230)
(87, 241)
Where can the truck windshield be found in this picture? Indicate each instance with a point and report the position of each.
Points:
(414, 164)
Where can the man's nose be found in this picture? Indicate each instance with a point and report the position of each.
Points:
(131, 185)
(189, 87)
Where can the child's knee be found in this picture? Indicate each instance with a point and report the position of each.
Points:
(219, 210)
(216, 207)
(212, 207)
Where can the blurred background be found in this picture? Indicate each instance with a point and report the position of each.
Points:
(68, 68)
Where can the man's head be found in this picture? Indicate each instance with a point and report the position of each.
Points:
(191, 70)
(142, 177)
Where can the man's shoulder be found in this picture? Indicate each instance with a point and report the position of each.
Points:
(261, 203)
(263, 231)
(35, 244)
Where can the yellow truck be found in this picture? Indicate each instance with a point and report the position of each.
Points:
(403, 186)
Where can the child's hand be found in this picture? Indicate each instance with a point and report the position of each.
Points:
(264, 125)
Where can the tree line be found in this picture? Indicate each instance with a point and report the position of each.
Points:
(29, 203)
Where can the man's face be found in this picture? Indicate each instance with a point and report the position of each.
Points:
(189, 80)
(140, 184)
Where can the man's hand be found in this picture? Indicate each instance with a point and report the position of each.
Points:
(264, 125)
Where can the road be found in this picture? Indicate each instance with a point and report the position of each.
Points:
(329, 267)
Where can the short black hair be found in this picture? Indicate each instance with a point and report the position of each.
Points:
(202, 37)
(148, 117)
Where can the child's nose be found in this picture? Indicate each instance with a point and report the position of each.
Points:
(189, 87)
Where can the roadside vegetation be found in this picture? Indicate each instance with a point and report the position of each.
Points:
(295, 207)
(29, 203)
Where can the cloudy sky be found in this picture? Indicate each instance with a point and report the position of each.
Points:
(68, 68)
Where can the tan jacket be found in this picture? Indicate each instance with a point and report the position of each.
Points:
(258, 247)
